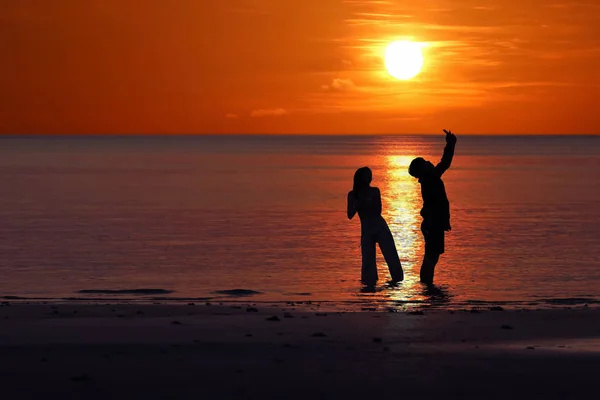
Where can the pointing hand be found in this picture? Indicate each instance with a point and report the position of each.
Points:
(450, 137)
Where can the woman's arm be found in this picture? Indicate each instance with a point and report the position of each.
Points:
(352, 205)
(378, 201)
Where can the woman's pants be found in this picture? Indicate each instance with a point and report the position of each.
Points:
(384, 238)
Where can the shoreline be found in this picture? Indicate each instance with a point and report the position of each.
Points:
(358, 305)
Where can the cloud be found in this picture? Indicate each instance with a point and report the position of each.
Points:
(340, 85)
(231, 116)
(276, 112)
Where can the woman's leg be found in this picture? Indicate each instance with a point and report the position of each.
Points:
(390, 253)
(369, 264)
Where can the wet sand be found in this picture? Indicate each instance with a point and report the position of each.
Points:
(125, 351)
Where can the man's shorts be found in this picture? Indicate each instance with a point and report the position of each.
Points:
(434, 239)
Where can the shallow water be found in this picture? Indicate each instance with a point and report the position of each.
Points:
(193, 216)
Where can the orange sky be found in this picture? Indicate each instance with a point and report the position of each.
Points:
(297, 66)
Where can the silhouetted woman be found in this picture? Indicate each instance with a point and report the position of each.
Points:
(366, 200)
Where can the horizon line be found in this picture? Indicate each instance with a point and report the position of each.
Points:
(124, 134)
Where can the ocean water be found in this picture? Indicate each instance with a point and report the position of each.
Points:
(197, 217)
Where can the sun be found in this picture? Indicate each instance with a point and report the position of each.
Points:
(403, 59)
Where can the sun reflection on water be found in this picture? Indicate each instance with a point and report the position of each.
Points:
(401, 210)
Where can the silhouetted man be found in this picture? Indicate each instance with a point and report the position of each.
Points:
(436, 208)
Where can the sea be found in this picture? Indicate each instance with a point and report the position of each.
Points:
(262, 219)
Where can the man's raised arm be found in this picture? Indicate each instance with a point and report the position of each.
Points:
(446, 161)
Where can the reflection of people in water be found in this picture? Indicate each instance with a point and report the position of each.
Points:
(436, 208)
(366, 201)
(436, 294)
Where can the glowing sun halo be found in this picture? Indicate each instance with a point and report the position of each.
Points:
(403, 59)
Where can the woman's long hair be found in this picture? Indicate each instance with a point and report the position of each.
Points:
(362, 179)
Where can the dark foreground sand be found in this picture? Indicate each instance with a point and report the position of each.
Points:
(76, 351)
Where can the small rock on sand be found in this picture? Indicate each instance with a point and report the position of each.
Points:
(377, 340)
(175, 323)
(318, 334)
(81, 378)
(287, 315)
(251, 309)
(506, 327)
(273, 318)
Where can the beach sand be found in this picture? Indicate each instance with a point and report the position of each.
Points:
(130, 351)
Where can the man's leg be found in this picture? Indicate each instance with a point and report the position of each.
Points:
(434, 246)
(428, 267)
